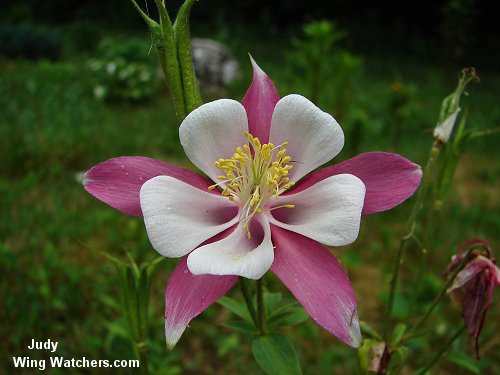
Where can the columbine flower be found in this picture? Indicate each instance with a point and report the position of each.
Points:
(473, 286)
(264, 209)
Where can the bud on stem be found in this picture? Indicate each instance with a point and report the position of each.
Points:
(192, 97)
(450, 106)
(174, 53)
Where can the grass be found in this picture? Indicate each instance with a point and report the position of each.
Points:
(57, 284)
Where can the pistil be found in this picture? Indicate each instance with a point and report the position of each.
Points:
(253, 175)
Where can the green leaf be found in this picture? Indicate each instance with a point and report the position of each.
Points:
(290, 317)
(368, 331)
(271, 300)
(245, 328)
(398, 360)
(463, 360)
(285, 308)
(227, 344)
(235, 307)
(276, 355)
(118, 263)
(398, 334)
(364, 354)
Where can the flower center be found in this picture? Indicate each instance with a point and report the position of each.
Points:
(255, 173)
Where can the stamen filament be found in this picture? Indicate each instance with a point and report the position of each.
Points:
(253, 175)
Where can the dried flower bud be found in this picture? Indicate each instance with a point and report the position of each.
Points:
(473, 285)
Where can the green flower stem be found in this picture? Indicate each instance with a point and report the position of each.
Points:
(164, 41)
(433, 216)
(258, 315)
(248, 300)
(414, 329)
(261, 309)
(136, 288)
(192, 97)
(443, 350)
(167, 54)
(411, 224)
(449, 106)
(174, 53)
(142, 353)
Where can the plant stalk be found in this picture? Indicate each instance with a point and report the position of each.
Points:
(261, 309)
(248, 300)
(445, 347)
(142, 353)
(411, 224)
(436, 301)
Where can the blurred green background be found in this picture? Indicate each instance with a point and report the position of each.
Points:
(382, 71)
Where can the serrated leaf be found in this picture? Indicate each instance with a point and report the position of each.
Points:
(240, 326)
(276, 355)
(463, 360)
(291, 317)
(235, 307)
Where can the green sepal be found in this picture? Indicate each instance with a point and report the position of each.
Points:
(451, 103)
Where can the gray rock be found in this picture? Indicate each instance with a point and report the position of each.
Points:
(214, 63)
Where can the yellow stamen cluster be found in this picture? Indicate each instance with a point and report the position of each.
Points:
(253, 175)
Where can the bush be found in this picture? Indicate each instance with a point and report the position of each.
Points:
(125, 72)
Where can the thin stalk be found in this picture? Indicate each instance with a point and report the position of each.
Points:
(192, 97)
(449, 106)
(411, 224)
(167, 54)
(248, 300)
(436, 301)
(261, 309)
(434, 216)
(445, 347)
(142, 354)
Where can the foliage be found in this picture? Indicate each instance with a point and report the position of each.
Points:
(124, 73)
(30, 42)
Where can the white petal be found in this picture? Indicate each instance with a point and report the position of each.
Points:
(236, 254)
(179, 217)
(328, 212)
(443, 130)
(213, 131)
(313, 136)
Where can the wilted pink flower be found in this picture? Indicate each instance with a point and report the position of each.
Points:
(473, 286)
(252, 219)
